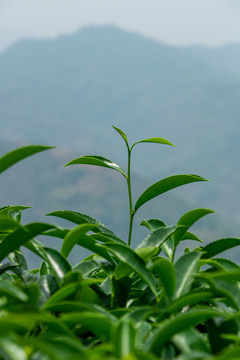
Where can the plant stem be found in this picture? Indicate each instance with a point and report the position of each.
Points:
(132, 212)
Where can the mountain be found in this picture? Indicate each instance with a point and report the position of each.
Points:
(68, 91)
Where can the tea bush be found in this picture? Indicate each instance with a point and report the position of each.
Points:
(119, 302)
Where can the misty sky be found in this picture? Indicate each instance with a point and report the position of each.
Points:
(178, 22)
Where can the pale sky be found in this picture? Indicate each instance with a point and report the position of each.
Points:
(176, 22)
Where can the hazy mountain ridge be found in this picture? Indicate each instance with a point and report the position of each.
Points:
(68, 91)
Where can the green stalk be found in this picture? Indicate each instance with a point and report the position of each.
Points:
(132, 212)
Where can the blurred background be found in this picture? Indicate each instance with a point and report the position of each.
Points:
(71, 69)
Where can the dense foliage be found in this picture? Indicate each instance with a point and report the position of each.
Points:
(119, 302)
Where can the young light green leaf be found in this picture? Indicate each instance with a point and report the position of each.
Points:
(186, 266)
(165, 185)
(180, 323)
(166, 273)
(155, 140)
(187, 220)
(218, 246)
(124, 136)
(129, 257)
(97, 161)
(73, 237)
(17, 155)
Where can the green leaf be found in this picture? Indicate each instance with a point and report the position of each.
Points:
(79, 218)
(180, 323)
(166, 273)
(8, 224)
(17, 155)
(165, 185)
(153, 224)
(4, 211)
(190, 236)
(227, 290)
(97, 161)
(57, 233)
(215, 334)
(7, 288)
(230, 353)
(157, 240)
(186, 266)
(89, 243)
(103, 237)
(120, 290)
(21, 236)
(36, 247)
(168, 245)
(50, 350)
(67, 290)
(124, 136)
(57, 262)
(187, 220)
(11, 347)
(71, 342)
(155, 140)
(219, 246)
(190, 340)
(232, 275)
(7, 267)
(124, 338)
(226, 264)
(157, 237)
(129, 257)
(15, 322)
(192, 298)
(73, 236)
(86, 267)
(98, 323)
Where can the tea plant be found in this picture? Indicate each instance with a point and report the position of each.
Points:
(119, 302)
